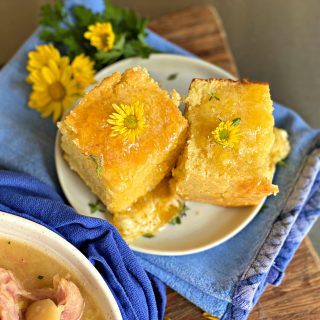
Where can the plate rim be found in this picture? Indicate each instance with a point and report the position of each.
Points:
(200, 248)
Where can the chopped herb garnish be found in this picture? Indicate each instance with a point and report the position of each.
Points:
(98, 163)
(40, 277)
(236, 121)
(282, 163)
(172, 76)
(264, 207)
(96, 207)
(212, 95)
(148, 235)
(182, 213)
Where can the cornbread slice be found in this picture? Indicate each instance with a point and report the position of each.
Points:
(280, 148)
(148, 214)
(209, 171)
(117, 170)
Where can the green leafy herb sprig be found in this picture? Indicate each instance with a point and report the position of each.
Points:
(66, 32)
(181, 214)
(96, 207)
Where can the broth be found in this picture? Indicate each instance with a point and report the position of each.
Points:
(35, 269)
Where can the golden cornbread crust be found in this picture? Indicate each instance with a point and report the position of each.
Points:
(128, 171)
(222, 175)
(240, 81)
(148, 214)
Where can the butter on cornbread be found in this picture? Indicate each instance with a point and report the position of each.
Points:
(117, 170)
(212, 170)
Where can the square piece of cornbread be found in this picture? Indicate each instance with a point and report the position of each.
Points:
(231, 135)
(120, 170)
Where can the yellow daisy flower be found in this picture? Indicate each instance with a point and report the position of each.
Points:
(83, 71)
(53, 90)
(128, 121)
(41, 57)
(227, 133)
(101, 35)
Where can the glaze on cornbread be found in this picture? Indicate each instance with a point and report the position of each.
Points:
(117, 170)
(227, 175)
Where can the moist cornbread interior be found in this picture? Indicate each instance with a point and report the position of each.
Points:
(229, 176)
(127, 171)
(148, 214)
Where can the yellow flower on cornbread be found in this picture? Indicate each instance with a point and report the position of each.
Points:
(128, 121)
(41, 57)
(101, 35)
(227, 133)
(83, 71)
(53, 90)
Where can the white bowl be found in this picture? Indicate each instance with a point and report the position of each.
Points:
(48, 242)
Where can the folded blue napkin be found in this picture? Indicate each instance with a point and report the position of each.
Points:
(227, 280)
(138, 296)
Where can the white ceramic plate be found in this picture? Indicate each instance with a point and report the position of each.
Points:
(205, 226)
(13, 227)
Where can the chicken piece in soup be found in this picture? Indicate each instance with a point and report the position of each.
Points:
(35, 286)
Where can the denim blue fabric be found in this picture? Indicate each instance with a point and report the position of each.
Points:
(138, 296)
(227, 280)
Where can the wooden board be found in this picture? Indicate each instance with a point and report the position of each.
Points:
(199, 30)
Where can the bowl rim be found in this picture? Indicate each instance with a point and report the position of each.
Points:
(57, 247)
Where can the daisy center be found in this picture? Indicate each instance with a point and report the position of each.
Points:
(224, 134)
(57, 91)
(105, 39)
(131, 122)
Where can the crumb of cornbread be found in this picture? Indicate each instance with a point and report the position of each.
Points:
(148, 214)
(229, 176)
(280, 148)
(126, 171)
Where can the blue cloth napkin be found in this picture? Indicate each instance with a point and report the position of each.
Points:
(138, 296)
(225, 281)
(228, 280)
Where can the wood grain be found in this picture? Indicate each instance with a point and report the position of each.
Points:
(297, 298)
(199, 30)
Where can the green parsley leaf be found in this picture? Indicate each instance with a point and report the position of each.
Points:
(51, 16)
(263, 208)
(172, 76)
(98, 162)
(235, 121)
(66, 32)
(212, 95)
(96, 207)
(40, 277)
(282, 163)
(148, 235)
(182, 213)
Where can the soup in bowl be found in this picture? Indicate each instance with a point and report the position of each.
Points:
(43, 277)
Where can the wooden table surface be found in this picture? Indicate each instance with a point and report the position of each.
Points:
(200, 30)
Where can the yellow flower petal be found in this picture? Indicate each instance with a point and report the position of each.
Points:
(48, 75)
(127, 121)
(53, 87)
(101, 36)
(227, 133)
